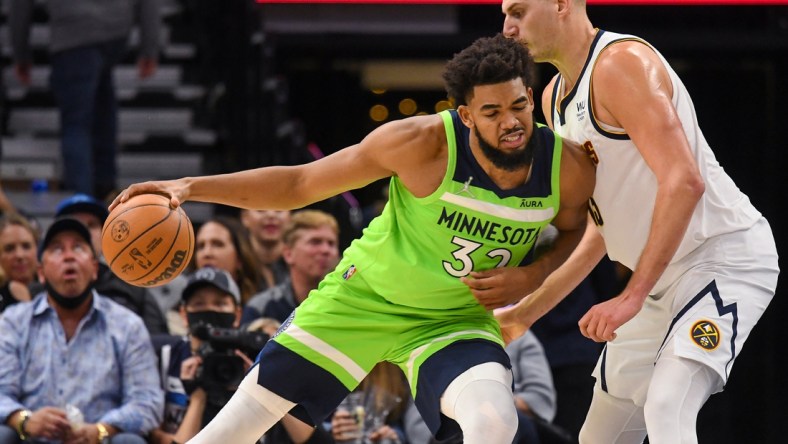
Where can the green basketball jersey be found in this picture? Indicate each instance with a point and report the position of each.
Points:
(414, 253)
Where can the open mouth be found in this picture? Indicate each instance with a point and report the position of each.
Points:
(513, 140)
(70, 273)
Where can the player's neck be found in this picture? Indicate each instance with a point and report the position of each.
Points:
(573, 55)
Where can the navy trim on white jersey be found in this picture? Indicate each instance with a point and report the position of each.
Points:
(722, 310)
(564, 102)
(602, 377)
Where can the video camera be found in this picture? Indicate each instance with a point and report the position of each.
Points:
(221, 368)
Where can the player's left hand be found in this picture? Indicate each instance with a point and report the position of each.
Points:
(512, 324)
(498, 287)
(602, 320)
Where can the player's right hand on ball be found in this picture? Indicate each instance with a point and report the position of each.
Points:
(174, 189)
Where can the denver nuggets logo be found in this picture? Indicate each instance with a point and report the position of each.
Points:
(705, 334)
(120, 231)
(349, 272)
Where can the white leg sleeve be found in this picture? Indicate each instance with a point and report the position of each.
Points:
(612, 420)
(677, 391)
(482, 403)
(249, 413)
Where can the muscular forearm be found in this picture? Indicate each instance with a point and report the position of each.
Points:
(672, 214)
(565, 278)
(275, 188)
(561, 249)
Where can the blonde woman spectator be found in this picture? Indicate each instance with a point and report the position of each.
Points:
(266, 230)
(18, 259)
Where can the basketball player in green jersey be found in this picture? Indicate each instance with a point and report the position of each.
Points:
(470, 191)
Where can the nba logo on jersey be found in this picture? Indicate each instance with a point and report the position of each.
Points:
(349, 272)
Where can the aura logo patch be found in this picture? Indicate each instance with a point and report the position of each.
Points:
(705, 334)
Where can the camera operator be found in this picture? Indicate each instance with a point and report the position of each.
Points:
(210, 300)
(204, 369)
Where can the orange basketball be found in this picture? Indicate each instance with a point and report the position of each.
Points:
(146, 242)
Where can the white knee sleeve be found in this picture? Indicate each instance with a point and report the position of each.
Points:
(678, 390)
(612, 420)
(250, 412)
(482, 403)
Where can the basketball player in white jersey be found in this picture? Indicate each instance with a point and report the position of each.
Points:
(703, 259)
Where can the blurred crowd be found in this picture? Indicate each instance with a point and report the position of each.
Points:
(163, 360)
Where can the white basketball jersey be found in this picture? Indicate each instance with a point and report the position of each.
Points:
(625, 186)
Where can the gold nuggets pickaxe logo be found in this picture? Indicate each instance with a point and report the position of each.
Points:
(705, 334)
(120, 231)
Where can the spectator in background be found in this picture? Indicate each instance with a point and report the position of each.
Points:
(310, 251)
(72, 346)
(18, 259)
(266, 228)
(383, 398)
(222, 242)
(93, 213)
(211, 297)
(87, 39)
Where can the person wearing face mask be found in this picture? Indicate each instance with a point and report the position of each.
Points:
(93, 213)
(71, 346)
(211, 299)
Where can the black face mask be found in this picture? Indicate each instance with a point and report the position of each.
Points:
(215, 319)
(69, 302)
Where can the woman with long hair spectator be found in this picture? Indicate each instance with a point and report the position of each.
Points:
(223, 242)
(18, 259)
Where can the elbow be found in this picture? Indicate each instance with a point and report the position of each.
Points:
(695, 186)
(687, 186)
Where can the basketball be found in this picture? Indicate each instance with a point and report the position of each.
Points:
(146, 242)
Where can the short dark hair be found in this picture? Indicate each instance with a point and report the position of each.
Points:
(489, 60)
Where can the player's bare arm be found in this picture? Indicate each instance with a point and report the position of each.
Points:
(413, 148)
(515, 320)
(632, 90)
(578, 177)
